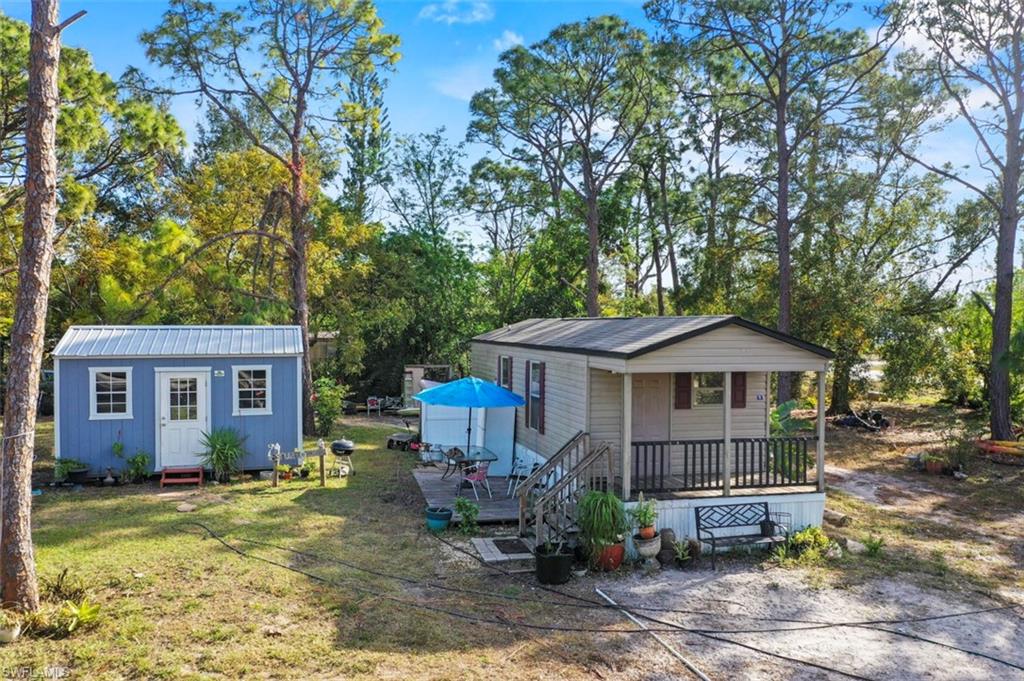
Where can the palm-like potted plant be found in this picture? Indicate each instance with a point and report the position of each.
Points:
(646, 540)
(602, 520)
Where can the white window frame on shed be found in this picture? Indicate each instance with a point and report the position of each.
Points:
(120, 416)
(238, 410)
(505, 368)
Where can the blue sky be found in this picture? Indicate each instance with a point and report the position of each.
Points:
(449, 49)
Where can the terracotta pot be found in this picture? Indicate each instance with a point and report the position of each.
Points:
(647, 532)
(934, 467)
(611, 557)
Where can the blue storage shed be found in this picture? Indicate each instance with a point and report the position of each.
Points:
(157, 389)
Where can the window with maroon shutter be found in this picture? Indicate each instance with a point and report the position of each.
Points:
(535, 396)
(739, 390)
(684, 390)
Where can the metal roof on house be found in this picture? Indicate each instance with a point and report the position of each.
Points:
(623, 337)
(179, 341)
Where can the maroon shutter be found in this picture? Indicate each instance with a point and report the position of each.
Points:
(684, 390)
(739, 389)
(540, 416)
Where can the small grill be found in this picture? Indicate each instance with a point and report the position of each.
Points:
(343, 447)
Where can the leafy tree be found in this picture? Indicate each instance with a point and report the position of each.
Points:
(366, 139)
(573, 105)
(308, 51)
(800, 71)
(977, 47)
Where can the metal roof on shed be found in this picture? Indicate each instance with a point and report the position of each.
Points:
(179, 341)
(623, 336)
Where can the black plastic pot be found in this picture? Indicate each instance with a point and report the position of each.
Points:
(78, 476)
(554, 567)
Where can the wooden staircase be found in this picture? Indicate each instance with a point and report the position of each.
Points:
(181, 475)
(548, 498)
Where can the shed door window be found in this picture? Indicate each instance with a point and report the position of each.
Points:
(111, 393)
(252, 390)
(184, 399)
(709, 388)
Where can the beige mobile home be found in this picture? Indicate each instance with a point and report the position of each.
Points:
(676, 407)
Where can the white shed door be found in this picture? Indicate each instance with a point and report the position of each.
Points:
(651, 397)
(184, 416)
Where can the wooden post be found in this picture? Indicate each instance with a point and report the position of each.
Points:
(321, 451)
(820, 463)
(727, 436)
(627, 435)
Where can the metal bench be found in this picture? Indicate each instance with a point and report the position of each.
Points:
(716, 526)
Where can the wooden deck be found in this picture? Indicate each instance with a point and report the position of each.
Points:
(438, 492)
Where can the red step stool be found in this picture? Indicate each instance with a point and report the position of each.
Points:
(181, 475)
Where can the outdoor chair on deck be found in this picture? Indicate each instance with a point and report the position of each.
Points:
(477, 475)
(521, 470)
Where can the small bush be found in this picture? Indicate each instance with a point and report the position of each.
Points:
(873, 545)
(809, 545)
(469, 512)
(9, 618)
(137, 467)
(79, 615)
(328, 402)
(224, 449)
(65, 465)
(682, 550)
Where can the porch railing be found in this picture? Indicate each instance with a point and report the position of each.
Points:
(689, 465)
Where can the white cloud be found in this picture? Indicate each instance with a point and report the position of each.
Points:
(463, 81)
(458, 11)
(507, 40)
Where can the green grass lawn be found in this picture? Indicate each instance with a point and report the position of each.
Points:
(177, 604)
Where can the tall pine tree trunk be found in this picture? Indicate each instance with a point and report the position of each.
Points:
(782, 234)
(300, 286)
(18, 585)
(593, 265)
(1002, 317)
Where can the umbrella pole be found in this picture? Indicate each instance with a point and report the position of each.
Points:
(469, 430)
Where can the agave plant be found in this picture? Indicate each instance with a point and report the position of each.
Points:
(224, 449)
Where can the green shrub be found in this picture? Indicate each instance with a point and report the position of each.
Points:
(137, 467)
(682, 550)
(873, 545)
(469, 512)
(810, 544)
(224, 449)
(79, 615)
(328, 402)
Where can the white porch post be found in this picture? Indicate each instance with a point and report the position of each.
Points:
(727, 436)
(821, 432)
(627, 434)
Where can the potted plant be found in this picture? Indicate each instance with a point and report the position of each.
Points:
(643, 515)
(553, 563)
(602, 520)
(70, 470)
(284, 471)
(933, 464)
(438, 518)
(10, 626)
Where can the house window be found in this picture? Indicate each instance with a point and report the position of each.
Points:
(709, 388)
(535, 396)
(110, 393)
(252, 390)
(505, 371)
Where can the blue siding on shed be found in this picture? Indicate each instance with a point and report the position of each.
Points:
(91, 441)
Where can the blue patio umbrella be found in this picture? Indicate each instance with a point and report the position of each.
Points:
(470, 392)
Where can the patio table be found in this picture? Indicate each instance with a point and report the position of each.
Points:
(460, 462)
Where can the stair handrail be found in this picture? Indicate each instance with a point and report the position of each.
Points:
(551, 495)
(527, 485)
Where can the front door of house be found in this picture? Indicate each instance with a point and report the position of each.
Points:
(184, 416)
(651, 407)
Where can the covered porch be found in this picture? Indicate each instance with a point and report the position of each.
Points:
(703, 434)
